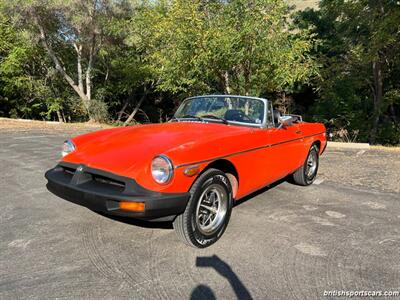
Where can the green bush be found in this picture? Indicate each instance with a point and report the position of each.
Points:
(98, 111)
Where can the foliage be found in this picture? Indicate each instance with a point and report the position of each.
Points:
(130, 61)
(238, 46)
(22, 76)
(359, 83)
(99, 111)
(72, 32)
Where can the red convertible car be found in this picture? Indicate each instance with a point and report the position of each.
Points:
(215, 150)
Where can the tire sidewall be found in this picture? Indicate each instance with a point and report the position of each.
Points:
(201, 240)
(308, 180)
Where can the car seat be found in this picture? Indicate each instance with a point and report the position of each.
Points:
(234, 115)
(277, 115)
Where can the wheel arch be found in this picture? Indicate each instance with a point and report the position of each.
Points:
(318, 144)
(229, 169)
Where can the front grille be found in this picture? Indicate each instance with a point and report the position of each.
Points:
(106, 180)
(99, 180)
(69, 170)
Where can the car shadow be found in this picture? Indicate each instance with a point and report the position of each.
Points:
(203, 291)
(137, 222)
(262, 190)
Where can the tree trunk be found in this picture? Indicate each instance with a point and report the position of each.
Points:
(132, 115)
(92, 52)
(59, 67)
(60, 117)
(89, 68)
(246, 75)
(227, 89)
(393, 112)
(378, 97)
(121, 112)
(78, 50)
(63, 116)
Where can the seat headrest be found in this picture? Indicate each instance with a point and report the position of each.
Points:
(277, 114)
(233, 114)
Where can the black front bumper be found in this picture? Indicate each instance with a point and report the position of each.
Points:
(102, 191)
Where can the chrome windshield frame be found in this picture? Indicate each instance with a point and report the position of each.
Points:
(264, 124)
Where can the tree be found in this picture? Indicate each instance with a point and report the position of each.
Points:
(242, 47)
(68, 28)
(359, 86)
(23, 73)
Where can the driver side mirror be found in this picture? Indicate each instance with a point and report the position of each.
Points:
(285, 121)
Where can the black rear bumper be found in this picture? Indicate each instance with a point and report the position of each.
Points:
(102, 191)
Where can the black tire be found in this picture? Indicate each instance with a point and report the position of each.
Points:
(188, 225)
(304, 176)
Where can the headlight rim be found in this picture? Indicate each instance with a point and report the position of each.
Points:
(170, 168)
(71, 145)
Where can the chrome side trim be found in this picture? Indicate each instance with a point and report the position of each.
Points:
(244, 151)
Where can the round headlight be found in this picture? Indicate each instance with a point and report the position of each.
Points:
(68, 147)
(162, 169)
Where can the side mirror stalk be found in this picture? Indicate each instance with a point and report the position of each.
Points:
(285, 121)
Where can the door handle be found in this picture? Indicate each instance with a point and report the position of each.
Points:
(298, 132)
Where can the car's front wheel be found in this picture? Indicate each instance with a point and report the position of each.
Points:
(308, 171)
(208, 211)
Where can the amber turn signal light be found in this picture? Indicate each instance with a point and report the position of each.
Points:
(191, 171)
(132, 206)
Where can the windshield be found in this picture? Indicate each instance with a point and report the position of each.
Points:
(235, 109)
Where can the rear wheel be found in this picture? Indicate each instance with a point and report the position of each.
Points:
(308, 171)
(208, 211)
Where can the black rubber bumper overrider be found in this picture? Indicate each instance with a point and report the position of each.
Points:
(102, 191)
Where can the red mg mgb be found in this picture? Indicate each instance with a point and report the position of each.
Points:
(214, 151)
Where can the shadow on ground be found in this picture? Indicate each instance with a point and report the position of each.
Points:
(222, 268)
(137, 222)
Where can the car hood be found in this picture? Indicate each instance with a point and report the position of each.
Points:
(122, 150)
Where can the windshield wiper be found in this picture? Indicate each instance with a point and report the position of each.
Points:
(216, 118)
(190, 117)
(177, 119)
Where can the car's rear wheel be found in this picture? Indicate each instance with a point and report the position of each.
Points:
(308, 171)
(208, 211)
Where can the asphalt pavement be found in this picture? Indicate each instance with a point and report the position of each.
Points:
(284, 242)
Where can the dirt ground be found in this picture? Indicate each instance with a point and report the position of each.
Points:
(26, 125)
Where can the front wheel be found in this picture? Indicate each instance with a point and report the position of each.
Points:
(208, 211)
(308, 171)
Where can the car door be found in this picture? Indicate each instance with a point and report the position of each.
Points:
(283, 151)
